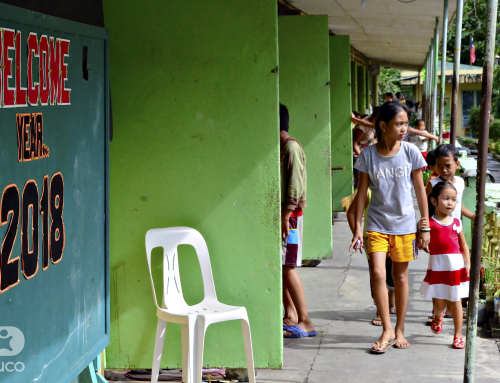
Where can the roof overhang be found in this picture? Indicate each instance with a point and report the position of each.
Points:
(395, 33)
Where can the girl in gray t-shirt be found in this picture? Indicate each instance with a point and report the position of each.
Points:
(391, 168)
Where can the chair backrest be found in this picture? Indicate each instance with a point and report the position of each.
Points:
(169, 239)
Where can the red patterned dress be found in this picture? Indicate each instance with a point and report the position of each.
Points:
(446, 276)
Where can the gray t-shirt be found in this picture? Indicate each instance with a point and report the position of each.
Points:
(391, 207)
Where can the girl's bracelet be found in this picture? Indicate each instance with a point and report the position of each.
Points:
(425, 230)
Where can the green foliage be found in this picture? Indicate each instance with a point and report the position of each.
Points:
(388, 82)
(495, 96)
(473, 24)
(495, 131)
(473, 121)
(497, 148)
(466, 142)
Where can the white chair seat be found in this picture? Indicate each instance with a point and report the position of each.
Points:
(194, 319)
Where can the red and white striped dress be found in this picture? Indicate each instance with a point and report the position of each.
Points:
(446, 276)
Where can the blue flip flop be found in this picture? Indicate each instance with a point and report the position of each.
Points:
(297, 332)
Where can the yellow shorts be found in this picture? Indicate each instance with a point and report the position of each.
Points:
(402, 248)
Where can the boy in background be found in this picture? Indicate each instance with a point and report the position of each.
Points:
(431, 165)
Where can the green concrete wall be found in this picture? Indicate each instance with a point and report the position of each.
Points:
(367, 88)
(340, 103)
(361, 89)
(196, 143)
(354, 85)
(304, 74)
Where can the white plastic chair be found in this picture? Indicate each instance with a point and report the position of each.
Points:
(195, 319)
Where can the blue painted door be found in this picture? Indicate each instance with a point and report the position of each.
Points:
(54, 309)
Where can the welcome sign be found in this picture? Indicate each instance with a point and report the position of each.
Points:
(54, 266)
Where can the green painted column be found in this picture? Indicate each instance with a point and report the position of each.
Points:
(340, 102)
(196, 143)
(361, 89)
(304, 74)
(367, 88)
(354, 85)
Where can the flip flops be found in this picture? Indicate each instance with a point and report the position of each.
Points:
(378, 320)
(297, 332)
(399, 344)
(458, 343)
(383, 347)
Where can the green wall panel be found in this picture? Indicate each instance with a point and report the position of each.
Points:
(196, 143)
(367, 88)
(354, 85)
(340, 102)
(304, 74)
(361, 89)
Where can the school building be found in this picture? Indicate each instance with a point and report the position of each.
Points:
(193, 115)
(469, 91)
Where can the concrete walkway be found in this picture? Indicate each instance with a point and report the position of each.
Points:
(338, 297)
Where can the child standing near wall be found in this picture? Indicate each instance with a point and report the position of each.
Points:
(391, 168)
(447, 278)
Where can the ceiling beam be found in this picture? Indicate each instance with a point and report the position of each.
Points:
(387, 64)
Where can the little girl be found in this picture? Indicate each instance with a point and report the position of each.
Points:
(391, 168)
(447, 278)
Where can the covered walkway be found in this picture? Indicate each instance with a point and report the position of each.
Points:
(340, 305)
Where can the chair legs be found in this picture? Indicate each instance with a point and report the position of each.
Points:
(185, 353)
(160, 339)
(247, 339)
(199, 342)
(193, 340)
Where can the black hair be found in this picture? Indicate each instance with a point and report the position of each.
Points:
(364, 116)
(431, 158)
(446, 150)
(399, 95)
(387, 112)
(418, 121)
(375, 111)
(284, 118)
(409, 103)
(418, 104)
(356, 114)
(436, 191)
(389, 94)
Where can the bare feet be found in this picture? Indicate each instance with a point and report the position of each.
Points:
(307, 327)
(386, 336)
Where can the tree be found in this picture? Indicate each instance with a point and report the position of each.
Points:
(474, 24)
(388, 81)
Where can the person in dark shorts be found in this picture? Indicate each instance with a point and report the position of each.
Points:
(296, 322)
